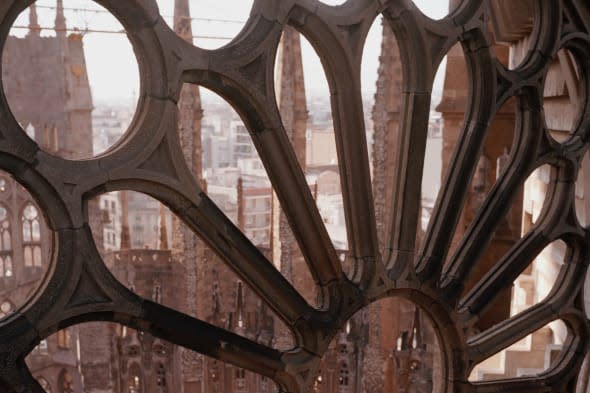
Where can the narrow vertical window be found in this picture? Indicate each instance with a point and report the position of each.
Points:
(5, 245)
(31, 228)
(343, 378)
(64, 339)
(161, 378)
(135, 379)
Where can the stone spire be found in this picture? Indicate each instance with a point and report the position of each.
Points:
(187, 248)
(240, 203)
(60, 19)
(293, 108)
(291, 91)
(163, 229)
(182, 20)
(386, 117)
(416, 330)
(34, 27)
(190, 110)
(125, 234)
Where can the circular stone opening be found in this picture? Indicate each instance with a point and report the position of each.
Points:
(388, 346)
(25, 246)
(70, 77)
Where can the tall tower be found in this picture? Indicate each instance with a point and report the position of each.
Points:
(293, 109)
(382, 319)
(187, 249)
(189, 125)
(34, 28)
(386, 117)
(60, 19)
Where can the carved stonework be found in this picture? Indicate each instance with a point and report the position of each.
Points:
(461, 275)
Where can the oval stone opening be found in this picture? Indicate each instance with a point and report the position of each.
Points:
(61, 89)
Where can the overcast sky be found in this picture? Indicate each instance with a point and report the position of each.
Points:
(112, 67)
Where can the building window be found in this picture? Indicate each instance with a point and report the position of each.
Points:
(6, 269)
(343, 379)
(135, 380)
(31, 236)
(133, 351)
(160, 350)
(240, 379)
(157, 294)
(161, 378)
(214, 371)
(64, 339)
(317, 384)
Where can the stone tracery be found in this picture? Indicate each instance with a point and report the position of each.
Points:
(150, 160)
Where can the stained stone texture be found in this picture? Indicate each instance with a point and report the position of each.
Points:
(48, 89)
(151, 160)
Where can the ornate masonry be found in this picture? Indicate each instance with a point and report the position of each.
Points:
(452, 283)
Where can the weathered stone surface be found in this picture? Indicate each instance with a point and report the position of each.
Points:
(337, 34)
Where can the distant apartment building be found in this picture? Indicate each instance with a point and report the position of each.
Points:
(240, 142)
(253, 170)
(255, 214)
(108, 125)
(216, 152)
(111, 217)
(144, 221)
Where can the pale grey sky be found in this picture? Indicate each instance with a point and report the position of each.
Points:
(112, 67)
